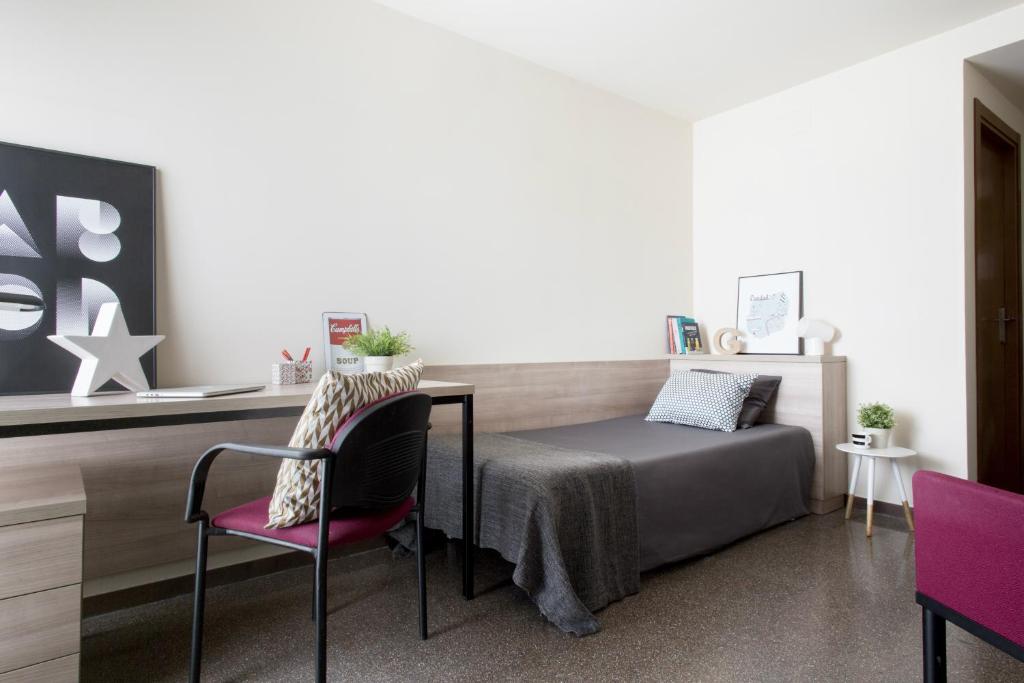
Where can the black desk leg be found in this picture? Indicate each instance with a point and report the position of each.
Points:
(468, 516)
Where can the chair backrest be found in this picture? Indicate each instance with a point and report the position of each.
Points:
(379, 453)
(969, 548)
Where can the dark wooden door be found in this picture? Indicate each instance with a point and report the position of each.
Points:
(997, 244)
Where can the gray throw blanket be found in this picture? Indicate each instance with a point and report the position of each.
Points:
(565, 518)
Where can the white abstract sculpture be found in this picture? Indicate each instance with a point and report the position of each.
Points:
(727, 341)
(815, 334)
(110, 352)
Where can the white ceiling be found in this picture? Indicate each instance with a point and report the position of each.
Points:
(694, 58)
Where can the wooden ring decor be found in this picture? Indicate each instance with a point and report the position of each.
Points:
(727, 341)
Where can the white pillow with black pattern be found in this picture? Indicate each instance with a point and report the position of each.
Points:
(701, 399)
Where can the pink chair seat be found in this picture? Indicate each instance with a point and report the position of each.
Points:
(252, 517)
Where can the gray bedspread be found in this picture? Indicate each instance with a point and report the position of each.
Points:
(697, 489)
(566, 518)
(581, 510)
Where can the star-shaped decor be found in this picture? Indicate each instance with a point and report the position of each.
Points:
(110, 352)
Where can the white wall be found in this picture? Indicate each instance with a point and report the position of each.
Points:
(857, 178)
(335, 155)
(976, 85)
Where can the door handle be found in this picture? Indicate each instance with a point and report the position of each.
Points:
(1002, 320)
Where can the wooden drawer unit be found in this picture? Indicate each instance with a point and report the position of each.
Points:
(39, 627)
(41, 515)
(60, 670)
(36, 556)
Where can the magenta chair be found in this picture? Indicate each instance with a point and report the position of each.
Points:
(368, 475)
(969, 548)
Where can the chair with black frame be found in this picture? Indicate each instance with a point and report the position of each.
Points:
(368, 475)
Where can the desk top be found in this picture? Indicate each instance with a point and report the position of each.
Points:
(33, 493)
(54, 408)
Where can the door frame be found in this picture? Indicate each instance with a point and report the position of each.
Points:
(985, 117)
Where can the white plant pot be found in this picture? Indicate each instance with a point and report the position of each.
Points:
(879, 437)
(378, 363)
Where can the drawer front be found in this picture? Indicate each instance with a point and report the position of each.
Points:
(60, 670)
(39, 627)
(38, 556)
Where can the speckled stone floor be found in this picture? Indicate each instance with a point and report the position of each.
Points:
(813, 600)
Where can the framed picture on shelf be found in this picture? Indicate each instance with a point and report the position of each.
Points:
(768, 308)
(338, 327)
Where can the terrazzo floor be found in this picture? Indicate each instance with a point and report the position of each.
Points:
(812, 600)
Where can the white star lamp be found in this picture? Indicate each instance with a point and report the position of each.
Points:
(110, 352)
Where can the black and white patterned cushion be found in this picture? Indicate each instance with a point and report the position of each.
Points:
(701, 399)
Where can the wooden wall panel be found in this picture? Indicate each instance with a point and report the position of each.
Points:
(836, 432)
(537, 395)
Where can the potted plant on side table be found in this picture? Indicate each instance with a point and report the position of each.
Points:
(379, 348)
(877, 419)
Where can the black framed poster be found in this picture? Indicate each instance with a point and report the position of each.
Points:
(768, 308)
(77, 232)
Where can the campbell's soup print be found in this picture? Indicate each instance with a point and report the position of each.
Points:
(338, 330)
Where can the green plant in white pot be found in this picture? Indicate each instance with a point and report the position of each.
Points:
(877, 419)
(379, 348)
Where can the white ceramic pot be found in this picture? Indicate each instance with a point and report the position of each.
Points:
(378, 363)
(879, 437)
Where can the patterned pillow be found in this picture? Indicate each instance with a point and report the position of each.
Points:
(701, 399)
(297, 492)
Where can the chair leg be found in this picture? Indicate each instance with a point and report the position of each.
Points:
(198, 605)
(933, 631)
(321, 616)
(421, 572)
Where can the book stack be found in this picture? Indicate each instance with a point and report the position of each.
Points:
(684, 335)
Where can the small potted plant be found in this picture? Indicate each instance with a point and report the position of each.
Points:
(877, 419)
(379, 348)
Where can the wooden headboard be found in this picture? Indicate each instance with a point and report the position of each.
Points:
(536, 395)
(812, 395)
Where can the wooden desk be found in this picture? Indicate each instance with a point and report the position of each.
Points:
(41, 512)
(26, 419)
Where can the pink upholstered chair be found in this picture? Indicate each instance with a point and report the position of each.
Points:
(969, 548)
(375, 461)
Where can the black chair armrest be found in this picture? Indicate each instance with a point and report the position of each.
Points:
(197, 484)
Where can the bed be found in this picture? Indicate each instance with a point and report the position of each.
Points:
(582, 509)
(696, 489)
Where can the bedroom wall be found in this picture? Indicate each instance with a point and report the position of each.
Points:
(857, 178)
(336, 155)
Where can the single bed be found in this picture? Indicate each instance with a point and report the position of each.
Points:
(582, 509)
(697, 489)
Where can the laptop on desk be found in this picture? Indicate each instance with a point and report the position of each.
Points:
(204, 391)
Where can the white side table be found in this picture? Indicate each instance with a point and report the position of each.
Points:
(892, 454)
